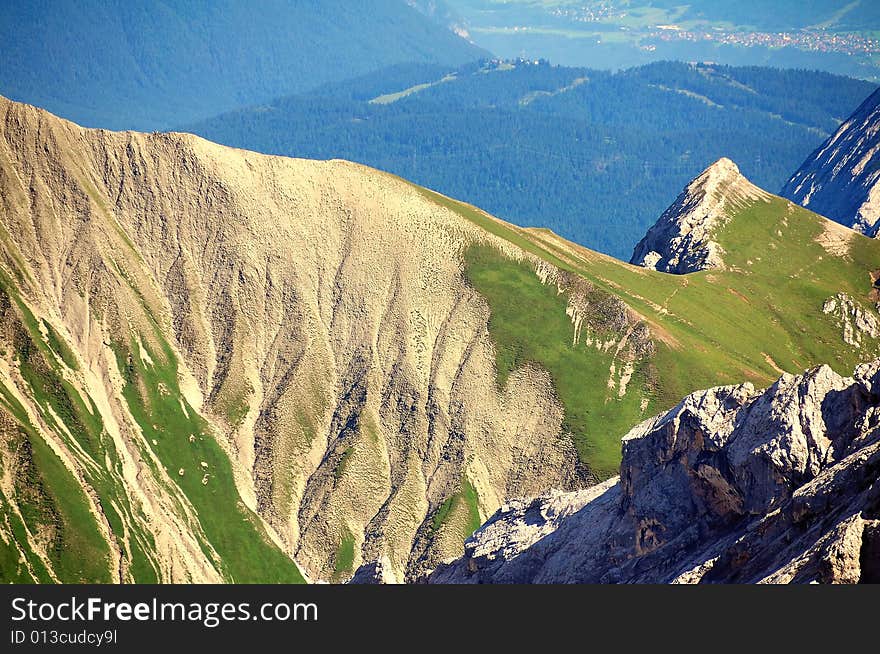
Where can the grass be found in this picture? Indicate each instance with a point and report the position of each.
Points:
(462, 509)
(234, 403)
(13, 563)
(53, 508)
(390, 98)
(339, 470)
(728, 323)
(79, 552)
(344, 560)
(710, 328)
(60, 347)
(529, 325)
(52, 390)
(183, 441)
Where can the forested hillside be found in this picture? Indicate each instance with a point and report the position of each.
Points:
(595, 156)
(141, 64)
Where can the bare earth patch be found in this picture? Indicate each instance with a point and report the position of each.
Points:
(835, 239)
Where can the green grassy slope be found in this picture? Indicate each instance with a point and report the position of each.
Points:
(529, 324)
(55, 516)
(761, 316)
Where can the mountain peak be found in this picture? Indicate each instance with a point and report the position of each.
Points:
(841, 180)
(681, 241)
(723, 166)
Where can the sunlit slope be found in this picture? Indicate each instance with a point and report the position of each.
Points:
(214, 363)
(767, 311)
(219, 366)
(107, 472)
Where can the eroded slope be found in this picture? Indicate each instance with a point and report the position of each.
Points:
(312, 321)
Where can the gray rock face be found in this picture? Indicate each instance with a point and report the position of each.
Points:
(376, 572)
(856, 324)
(732, 485)
(682, 240)
(841, 180)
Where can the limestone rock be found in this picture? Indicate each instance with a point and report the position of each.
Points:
(841, 179)
(732, 485)
(682, 240)
(856, 324)
(379, 571)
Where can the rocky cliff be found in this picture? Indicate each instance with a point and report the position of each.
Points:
(683, 239)
(732, 485)
(841, 180)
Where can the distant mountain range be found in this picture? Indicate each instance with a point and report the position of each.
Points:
(139, 64)
(589, 154)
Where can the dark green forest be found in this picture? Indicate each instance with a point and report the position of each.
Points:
(595, 156)
(150, 64)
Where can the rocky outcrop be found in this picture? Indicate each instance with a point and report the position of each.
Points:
(732, 485)
(683, 239)
(380, 571)
(841, 180)
(857, 325)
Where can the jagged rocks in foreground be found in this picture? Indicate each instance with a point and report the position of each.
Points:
(732, 485)
(682, 240)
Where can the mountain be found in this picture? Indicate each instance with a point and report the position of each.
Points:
(841, 179)
(589, 154)
(138, 64)
(195, 336)
(733, 485)
(442, 13)
(681, 241)
(217, 365)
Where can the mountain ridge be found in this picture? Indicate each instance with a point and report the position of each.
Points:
(195, 298)
(841, 178)
(215, 363)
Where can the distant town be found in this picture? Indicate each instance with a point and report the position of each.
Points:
(811, 40)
